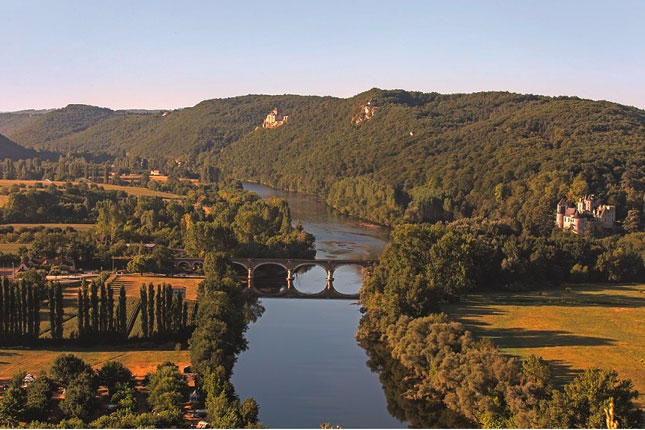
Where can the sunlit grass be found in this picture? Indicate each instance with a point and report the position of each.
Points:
(574, 327)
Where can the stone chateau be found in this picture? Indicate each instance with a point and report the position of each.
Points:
(588, 213)
(274, 119)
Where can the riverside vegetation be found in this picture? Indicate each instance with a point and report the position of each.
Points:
(435, 373)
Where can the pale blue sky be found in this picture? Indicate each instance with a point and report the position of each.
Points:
(168, 54)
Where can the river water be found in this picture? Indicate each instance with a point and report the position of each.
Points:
(303, 365)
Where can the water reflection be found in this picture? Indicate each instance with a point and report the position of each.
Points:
(394, 378)
(303, 365)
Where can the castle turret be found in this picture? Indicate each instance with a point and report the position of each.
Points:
(561, 208)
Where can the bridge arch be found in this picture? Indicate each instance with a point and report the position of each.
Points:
(310, 278)
(270, 263)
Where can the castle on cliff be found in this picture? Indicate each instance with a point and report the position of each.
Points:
(589, 213)
(274, 119)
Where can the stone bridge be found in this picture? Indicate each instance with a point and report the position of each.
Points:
(290, 265)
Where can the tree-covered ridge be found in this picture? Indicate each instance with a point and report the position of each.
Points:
(11, 122)
(60, 123)
(447, 156)
(10, 149)
(421, 157)
(182, 134)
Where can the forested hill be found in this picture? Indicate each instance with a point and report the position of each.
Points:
(439, 157)
(389, 155)
(183, 133)
(11, 122)
(9, 149)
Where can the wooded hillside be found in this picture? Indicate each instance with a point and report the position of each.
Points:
(414, 156)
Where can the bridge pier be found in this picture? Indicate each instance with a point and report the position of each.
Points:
(330, 280)
(249, 278)
(290, 279)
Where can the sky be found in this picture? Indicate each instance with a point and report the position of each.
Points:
(172, 54)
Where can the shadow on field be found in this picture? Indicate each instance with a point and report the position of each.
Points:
(521, 338)
(562, 372)
(6, 354)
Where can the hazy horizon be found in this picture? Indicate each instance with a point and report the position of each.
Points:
(166, 55)
(290, 94)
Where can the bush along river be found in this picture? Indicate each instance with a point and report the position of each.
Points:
(303, 365)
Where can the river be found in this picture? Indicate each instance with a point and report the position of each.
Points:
(303, 365)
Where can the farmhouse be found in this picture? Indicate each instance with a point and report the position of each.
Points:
(588, 214)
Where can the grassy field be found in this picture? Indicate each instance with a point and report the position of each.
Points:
(12, 248)
(135, 191)
(132, 283)
(79, 227)
(575, 327)
(141, 359)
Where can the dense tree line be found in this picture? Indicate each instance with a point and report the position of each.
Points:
(99, 318)
(236, 221)
(437, 374)
(425, 265)
(19, 312)
(222, 319)
(164, 314)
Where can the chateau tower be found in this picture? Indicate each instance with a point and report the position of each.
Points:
(561, 208)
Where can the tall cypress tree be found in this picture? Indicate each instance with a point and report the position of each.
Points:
(102, 309)
(143, 293)
(86, 309)
(160, 303)
(52, 311)
(81, 312)
(178, 308)
(30, 311)
(94, 303)
(123, 314)
(59, 311)
(25, 306)
(151, 310)
(110, 309)
(13, 310)
(184, 318)
(168, 308)
(18, 299)
(118, 328)
(2, 308)
(36, 312)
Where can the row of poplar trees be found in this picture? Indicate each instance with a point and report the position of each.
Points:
(19, 312)
(170, 312)
(97, 314)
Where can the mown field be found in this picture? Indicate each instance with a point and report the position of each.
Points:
(141, 359)
(132, 283)
(575, 327)
(79, 227)
(12, 248)
(135, 191)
